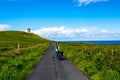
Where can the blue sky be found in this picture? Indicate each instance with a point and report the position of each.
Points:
(63, 19)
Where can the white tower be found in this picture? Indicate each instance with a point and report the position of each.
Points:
(28, 30)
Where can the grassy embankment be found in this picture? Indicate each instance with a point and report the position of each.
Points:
(100, 62)
(17, 64)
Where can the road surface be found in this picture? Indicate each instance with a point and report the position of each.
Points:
(50, 69)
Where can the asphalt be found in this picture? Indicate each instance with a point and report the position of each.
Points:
(50, 69)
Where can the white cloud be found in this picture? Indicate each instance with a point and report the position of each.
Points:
(64, 33)
(55, 32)
(86, 2)
(4, 27)
(104, 31)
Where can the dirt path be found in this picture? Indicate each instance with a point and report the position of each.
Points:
(50, 69)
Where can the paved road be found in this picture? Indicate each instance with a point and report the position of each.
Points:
(50, 69)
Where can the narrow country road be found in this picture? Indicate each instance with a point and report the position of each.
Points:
(50, 69)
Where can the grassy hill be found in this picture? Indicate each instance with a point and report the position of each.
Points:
(16, 64)
(19, 36)
(10, 39)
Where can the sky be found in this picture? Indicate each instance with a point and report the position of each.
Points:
(63, 20)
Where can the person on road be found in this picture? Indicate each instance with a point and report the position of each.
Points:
(57, 51)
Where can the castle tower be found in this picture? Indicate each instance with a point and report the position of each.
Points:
(28, 30)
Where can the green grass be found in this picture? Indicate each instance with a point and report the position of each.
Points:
(19, 67)
(100, 62)
(17, 64)
(18, 36)
(9, 40)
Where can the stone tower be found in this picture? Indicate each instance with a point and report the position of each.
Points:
(28, 30)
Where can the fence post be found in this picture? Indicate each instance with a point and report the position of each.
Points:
(18, 47)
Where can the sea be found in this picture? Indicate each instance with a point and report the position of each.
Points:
(98, 42)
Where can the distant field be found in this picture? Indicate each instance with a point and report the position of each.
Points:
(17, 64)
(100, 62)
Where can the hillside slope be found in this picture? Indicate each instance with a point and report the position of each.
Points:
(19, 53)
(19, 36)
(9, 40)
